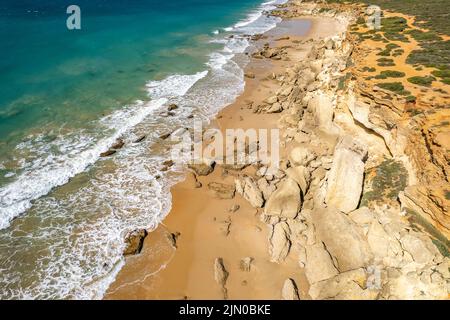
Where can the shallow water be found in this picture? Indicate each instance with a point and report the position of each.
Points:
(67, 96)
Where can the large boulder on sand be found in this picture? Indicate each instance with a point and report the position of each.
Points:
(345, 179)
(202, 167)
(280, 243)
(319, 264)
(342, 238)
(285, 201)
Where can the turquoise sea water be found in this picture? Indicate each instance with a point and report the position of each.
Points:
(66, 96)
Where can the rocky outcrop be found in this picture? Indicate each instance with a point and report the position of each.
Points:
(350, 285)
(204, 167)
(285, 201)
(289, 291)
(221, 276)
(249, 190)
(245, 264)
(432, 205)
(319, 264)
(222, 190)
(301, 156)
(345, 179)
(342, 238)
(134, 240)
(301, 175)
(280, 243)
(118, 144)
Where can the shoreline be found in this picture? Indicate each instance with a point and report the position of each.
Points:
(337, 220)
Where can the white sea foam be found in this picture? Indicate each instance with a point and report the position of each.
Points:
(76, 154)
(173, 86)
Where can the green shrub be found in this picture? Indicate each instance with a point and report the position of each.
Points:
(422, 81)
(396, 87)
(398, 52)
(411, 98)
(386, 62)
(369, 69)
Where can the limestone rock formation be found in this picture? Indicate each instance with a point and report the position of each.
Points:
(280, 243)
(289, 291)
(342, 238)
(249, 190)
(245, 264)
(221, 275)
(204, 167)
(301, 175)
(134, 241)
(319, 264)
(345, 286)
(322, 108)
(222, 190)
(345, 179)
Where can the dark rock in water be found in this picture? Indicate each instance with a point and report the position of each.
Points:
(171, 114)
(134, 241)
(190, 116)
(168, 163)
(118, 144)
(172, 107)
(108, 153)
(165, 136)
(140, 139)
